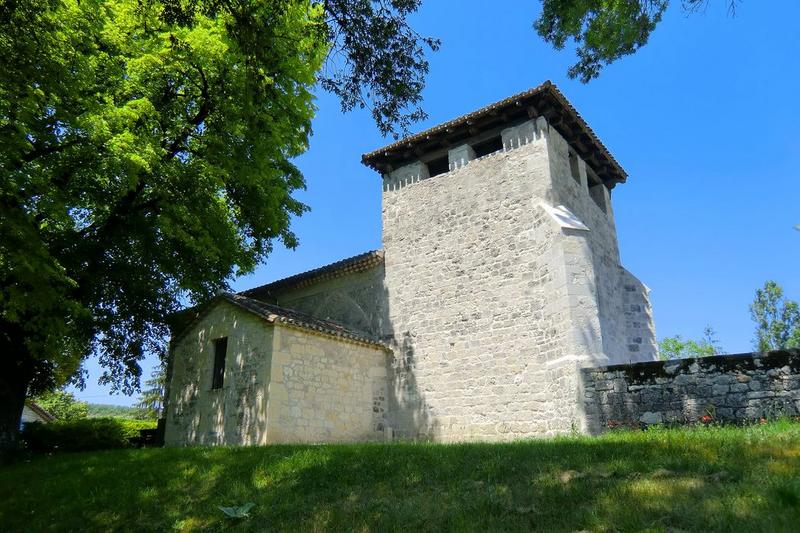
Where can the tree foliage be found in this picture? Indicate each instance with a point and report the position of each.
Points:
(146, 152)
(604, 30)
(679, 348)
(151, 400)
(99, 410)
(777, 319)
(62, 405)
(377, 60)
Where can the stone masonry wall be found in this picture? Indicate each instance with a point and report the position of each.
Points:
(355, 301)
(236, 413)
(724, 387)
(325, 390)
(616, 292)
(477, 301)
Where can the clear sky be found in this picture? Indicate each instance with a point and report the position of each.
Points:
(704, 119)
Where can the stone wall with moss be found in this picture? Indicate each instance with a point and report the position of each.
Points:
(727, 388)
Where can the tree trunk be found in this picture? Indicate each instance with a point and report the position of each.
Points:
(15, 375)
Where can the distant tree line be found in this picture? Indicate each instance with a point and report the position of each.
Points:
(66, 408)
(777, 321)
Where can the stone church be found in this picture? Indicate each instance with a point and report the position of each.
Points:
(498, 281)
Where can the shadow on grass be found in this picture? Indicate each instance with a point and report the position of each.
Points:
(703, 479)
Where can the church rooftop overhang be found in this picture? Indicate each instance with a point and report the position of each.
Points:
(273, 314)
(179, 320)
(351, 265)
(545, 101)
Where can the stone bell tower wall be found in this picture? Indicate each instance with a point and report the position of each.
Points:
(478, 296)
(600, 285)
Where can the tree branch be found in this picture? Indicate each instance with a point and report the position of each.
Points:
(202, 114)
(43, 151)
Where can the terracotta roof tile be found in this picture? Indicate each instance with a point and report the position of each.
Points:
(358, 263)
(274, 314)
(40, 412)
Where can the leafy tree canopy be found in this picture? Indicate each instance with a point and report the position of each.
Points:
(62, 405)
(679, 348)
(146, 157)
(151, 401)
(777, 319)
(98, 410)
(604, 30)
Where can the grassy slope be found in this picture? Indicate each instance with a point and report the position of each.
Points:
(704, 479)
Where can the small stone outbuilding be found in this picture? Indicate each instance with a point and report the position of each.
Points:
(33, 412)
(247, 372)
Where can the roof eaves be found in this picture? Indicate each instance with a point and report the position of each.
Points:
(278, 315)
(273, 314)
(444, 126)
(41, 412)
(350, 265)
(372, 159)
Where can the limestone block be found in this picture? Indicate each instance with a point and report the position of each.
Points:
(407, 175)
(651, 418)
(460, 155)
(517, 136)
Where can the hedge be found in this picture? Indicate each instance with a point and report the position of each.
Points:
(83, 435)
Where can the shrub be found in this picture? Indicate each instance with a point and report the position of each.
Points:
(83, 435)
(62, 405)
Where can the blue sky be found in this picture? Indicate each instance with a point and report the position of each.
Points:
(704, 119)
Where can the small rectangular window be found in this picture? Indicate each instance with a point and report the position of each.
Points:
(220, 349)
(438, 166)
(598, 195)
(489, 146)
(574, 168)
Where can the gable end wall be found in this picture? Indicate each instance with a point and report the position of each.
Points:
(236, 413)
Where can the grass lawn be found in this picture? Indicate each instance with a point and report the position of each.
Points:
(701, 479)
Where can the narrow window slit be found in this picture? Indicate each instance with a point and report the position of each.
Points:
(574, 168)
(220, 350)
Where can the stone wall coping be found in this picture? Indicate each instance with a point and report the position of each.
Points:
(770, 359)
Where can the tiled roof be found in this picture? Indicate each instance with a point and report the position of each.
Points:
(274, 314)
(281, 315)
(545, 100)
(40, 412)
(351, 265)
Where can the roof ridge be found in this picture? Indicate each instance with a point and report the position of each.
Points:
(354, 263)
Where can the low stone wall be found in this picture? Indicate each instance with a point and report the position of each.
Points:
(728, 388)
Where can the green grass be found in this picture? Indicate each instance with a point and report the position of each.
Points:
(701, 479)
